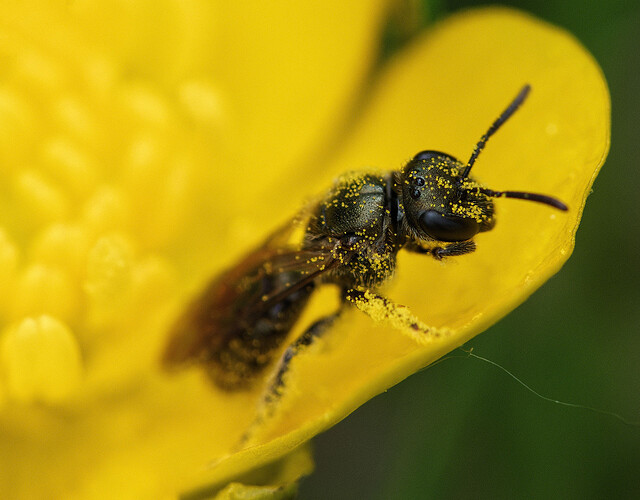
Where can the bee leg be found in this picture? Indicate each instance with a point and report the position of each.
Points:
(383, 310)
(316, 330)
(275, 389)
(439, 253)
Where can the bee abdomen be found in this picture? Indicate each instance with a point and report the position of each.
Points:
(245, 355)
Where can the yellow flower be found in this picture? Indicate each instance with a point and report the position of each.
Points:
(145, 146)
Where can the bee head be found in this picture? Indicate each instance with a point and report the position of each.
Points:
(443, 203)
(435, 204)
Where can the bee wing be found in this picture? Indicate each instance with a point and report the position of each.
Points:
(233, 303)
(306, 266)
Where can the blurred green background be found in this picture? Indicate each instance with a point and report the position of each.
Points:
(464, 429)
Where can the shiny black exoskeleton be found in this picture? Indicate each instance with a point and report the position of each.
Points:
(351, 239)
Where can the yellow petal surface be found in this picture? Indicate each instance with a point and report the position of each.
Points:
(262, 85)
(133, 138)
(443, 94)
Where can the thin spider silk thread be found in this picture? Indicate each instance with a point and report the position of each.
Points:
(469, 354)
(551, 400)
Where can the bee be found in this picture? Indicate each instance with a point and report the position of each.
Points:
(351, 238)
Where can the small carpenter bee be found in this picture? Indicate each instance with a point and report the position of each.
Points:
(351, 239)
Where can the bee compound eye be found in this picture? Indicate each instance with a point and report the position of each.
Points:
(447, 227)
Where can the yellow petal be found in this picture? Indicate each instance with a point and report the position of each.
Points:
(129, 132)
(272, 482)
(443, 94)
(279, 75)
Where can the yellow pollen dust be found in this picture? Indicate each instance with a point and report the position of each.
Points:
(399, 317)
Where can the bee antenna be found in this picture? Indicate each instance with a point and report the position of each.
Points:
(520, 195)
(515, 104)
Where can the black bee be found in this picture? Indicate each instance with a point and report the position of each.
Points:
(351, 239)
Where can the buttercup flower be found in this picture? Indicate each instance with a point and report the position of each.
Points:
(146, 146)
